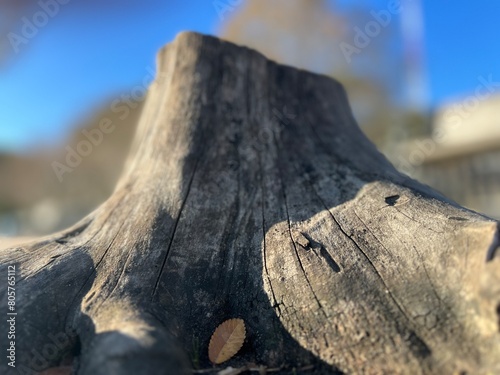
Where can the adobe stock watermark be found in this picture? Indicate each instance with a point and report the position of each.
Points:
(48, 9)
(225, 6)
(122, 107)
(42, 357)
(11, 315)
(371, 30)
(453, 120)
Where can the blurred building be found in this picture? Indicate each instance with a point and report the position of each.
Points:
(462, 157)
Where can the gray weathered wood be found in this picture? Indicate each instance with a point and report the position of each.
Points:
(252, 193)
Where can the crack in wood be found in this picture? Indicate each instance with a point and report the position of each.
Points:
(291, 237)
(155, 288)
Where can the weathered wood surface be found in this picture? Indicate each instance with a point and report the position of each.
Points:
(251, 193)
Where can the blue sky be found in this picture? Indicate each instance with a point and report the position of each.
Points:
(462, 44)
(88, 55)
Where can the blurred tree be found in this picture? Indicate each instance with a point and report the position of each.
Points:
(34, 201)
(311, 35)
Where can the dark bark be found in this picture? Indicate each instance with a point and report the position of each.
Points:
(251, 193)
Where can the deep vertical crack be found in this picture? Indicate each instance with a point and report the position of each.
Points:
(175, 228)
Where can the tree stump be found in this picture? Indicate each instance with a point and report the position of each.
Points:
(251, 193)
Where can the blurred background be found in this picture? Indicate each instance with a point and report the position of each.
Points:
(423, 78)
